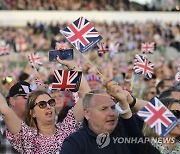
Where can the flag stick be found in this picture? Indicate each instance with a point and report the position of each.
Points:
(132, 81)
(102, 76)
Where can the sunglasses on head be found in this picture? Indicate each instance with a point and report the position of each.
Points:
(176, 113)
(43, 104)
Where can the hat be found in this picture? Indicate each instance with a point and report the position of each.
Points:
(20, 88)
(92, 77)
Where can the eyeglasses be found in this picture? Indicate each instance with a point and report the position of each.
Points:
(43, 104)
(176, 113)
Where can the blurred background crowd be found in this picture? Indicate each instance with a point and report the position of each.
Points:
(113, 5)
(123, 40)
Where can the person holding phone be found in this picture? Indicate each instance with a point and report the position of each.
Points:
(39, 133)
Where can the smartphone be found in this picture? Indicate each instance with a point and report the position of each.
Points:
(66, 54)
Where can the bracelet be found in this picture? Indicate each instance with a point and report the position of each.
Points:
(72, 68)
(120, 110)
(133, 102)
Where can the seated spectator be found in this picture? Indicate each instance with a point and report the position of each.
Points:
(94, 81)
(102, 118)
(163, 85)
(173, 92)
(149, 93)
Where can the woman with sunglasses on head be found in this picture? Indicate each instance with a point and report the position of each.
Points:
(171, 143)
(39, 133)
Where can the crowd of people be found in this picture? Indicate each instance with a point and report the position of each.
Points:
(40, 120)
(101, 5)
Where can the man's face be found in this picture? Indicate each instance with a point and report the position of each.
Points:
(18, 104)
(102, 116)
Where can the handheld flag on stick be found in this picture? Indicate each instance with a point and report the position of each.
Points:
(4, 50)
(66, 80)
(81, 34)
(102, 48)
(158, 117)
(147, 48)
(142, 66)
(34, 59)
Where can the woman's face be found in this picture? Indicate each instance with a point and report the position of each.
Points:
(44, 115)
(176, 130)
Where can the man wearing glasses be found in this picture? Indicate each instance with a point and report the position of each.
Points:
(17, 99)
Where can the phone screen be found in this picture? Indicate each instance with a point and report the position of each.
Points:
(66, 54)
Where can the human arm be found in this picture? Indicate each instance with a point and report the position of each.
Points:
(83, 89)
(12, 121)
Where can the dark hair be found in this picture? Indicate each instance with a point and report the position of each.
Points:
(168, 92)
(169, 101)
(161, 85)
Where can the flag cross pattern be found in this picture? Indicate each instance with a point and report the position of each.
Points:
(142, 66)
(81, 34)
(4, 49)
(34, 58)
(158, 117)
(64, 81)
(102, 48)
(147, 47)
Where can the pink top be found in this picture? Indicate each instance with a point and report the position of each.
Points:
(27, 141)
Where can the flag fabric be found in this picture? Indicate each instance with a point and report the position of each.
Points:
(81, 34)
(102, 48)
(66, 80)
(147, 48)
(114, 50)
(158, 117)
(4, 50)
(142, 66)
(34, 59)
(61, 45)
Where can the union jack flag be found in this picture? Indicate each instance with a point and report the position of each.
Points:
(66, 80)
(142, 66)
(148, 47)
(34, 59)
(158, 117)
(81, 34)
(102, 48)
(61, 45)
(4, 50)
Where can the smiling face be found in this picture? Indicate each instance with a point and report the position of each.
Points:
(101, 115)
(44, 116)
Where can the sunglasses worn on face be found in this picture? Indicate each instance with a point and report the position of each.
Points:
(43, 104)
(176, 113)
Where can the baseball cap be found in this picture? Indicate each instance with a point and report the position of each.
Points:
(20, 88)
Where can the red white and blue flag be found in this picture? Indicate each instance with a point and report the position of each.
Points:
(102, 48)
(147, 48)
(81, 34)
(142, 66)
(34, 59)
(158, 117)
(4, 49)
(66, 80)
